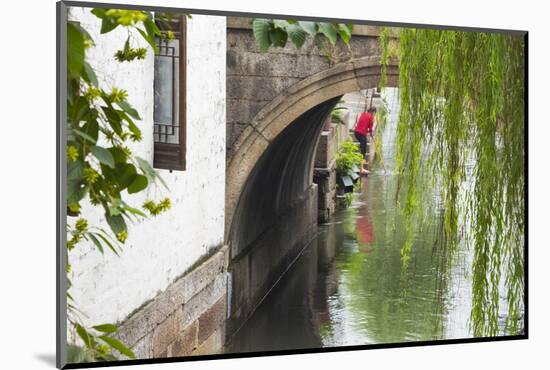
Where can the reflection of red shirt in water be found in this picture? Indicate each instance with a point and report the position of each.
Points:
(364, 123)
(365, 230)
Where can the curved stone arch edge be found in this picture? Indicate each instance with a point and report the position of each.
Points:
(271, 120)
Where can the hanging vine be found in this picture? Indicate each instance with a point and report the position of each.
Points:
(461, 132)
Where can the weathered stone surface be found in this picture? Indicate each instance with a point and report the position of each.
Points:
(247, 63)
(233, 132)
(163, 354)
(304, 96)
(202, 301)
(144, 348)
(201, 276)
(242, 39)
(324, 174)
(322, 155)
(243, 111)
(212, 345)
(177, 333)
(250, 146)
(156, 312)
(186, 342)
(257, 87)
(324, 200)
(257, 271)
(240, 282)
(164, 335)
(212, 319)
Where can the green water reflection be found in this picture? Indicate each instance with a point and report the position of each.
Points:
(350, 286)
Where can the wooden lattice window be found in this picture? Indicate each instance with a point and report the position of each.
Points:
(169, 95)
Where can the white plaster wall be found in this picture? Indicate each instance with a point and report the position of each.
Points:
(106, 287)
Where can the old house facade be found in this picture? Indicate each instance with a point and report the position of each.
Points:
(169, 283)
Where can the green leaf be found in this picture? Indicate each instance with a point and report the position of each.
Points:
(279, 23)
(118, 154)
(106, 328)
(149, 172)
(114, 209)
(146, 168)
(113, 118)
(133, 210)
(329, 31)
(75, 50)
(76, 187)
(261, 28)
(96, 242)
(128, 109)
(151, 28)
(309, 27)
(84, 135)
(103, 155)
(76, 112)
(75, 170)
(83, 334)
(108, 24)
(118, 345)
(126, 45)
(73, 86)
(140, 182)
(124, 174)
(278, 37)
(116, 223)
(150, 41)
(124, 117)
(91, 129)
(339, 108)
(344, 32)
(107, 241)
(88, 74)
(99, 12)
(76, 191)
(133, 128)
(297, 35)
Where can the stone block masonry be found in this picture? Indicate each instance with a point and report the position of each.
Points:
(324, 173)
(186, 319)
(255, 78)
(257, 270)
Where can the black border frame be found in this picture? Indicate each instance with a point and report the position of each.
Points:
(61, 214)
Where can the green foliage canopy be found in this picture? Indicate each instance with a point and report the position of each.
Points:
(275, 32)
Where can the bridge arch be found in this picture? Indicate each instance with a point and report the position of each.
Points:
(271, 201)
(345, 77)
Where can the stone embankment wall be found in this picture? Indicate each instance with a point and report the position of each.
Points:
(186, 319)
(324, 173)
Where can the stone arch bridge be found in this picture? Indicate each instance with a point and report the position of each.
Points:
(276, 106)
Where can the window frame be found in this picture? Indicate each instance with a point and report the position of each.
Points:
(173, 156)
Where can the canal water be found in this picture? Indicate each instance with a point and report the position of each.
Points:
(350, 287)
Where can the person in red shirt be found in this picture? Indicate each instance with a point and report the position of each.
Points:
(364, 127)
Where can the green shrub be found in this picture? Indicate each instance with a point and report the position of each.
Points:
(348, 157)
